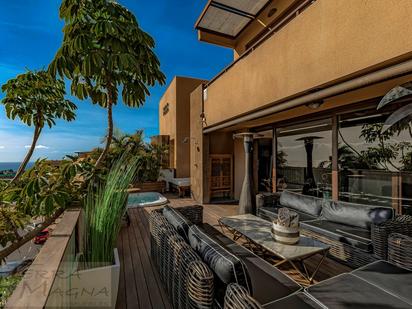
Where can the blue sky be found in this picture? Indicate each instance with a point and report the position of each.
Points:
(30, 33)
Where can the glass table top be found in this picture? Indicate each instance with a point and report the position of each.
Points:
(258, 231)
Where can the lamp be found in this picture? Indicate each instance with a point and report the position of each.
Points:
(315, 104)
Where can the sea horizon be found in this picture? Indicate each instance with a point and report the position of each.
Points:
(6, 166)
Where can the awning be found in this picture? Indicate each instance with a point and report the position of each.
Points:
(229, 17)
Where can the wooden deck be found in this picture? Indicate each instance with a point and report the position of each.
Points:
(140, 285)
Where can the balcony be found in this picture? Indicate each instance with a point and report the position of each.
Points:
(318, 48)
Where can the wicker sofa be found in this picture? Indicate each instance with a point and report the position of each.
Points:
(196, 262)
(377, 285)
(358, 234)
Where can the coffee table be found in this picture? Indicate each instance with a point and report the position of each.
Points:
(257, 231)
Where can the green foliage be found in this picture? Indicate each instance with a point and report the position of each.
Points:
(37, 99)
(104, 47)
(7, 286)
(105, 52)
(151, 163)
(11, 219)
(45, 187)
(105, 209)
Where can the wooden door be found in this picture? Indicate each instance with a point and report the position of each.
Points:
(221, 167)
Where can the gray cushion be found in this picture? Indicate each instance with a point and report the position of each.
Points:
(304, 203)
(354, 236)
(393, 279)
(348, 291)
(271, 213)
(178, 221)
(356, 214)
(227, 266)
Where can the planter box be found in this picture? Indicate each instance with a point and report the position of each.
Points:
(155, 186)
(94, 288)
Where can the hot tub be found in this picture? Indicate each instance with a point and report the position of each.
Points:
(146, 199)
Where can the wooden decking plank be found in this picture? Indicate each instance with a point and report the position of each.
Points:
(132, 300)
(138, 267)
(146, 238)
(152, 286)
(121, 295)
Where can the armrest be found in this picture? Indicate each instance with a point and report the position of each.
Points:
(401, 224)
(400, 250)
(267, 200)
(194, 213)
(237, 297)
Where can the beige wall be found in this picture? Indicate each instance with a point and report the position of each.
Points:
(330, 40)
(197, 149)
(176, 123)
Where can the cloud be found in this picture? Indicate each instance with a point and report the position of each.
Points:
(2, 147)
(37, 147)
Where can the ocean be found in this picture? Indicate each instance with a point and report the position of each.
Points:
(5, 166)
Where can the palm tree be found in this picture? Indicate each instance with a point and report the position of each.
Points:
(104, 51)
(36, 99)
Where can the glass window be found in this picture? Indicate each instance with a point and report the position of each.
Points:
(304, 158)
(375, 165)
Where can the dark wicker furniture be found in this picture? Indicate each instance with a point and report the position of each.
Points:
(349, 229)
(237, 297)
(196, 273)
(400, 250)
(380, 233)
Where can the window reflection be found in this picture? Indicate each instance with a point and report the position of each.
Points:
(374, 166)
(304, 159)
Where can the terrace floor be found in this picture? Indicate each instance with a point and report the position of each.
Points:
(140, 285)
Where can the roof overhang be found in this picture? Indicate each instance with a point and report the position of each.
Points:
(228, 18)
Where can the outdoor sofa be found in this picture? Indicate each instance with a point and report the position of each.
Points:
(196, 262)
(377, 285)
(358, 234)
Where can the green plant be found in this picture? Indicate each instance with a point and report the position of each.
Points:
(44, 190)
(104, 209)
(7, 286)
(104, 51)
(36, 99)
(151, 162)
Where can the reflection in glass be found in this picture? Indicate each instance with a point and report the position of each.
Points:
(304, 159)
(374, 166)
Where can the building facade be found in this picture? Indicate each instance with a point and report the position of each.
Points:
(307, 78)
(174, 123)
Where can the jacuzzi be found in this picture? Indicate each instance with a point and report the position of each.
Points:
(146, 199)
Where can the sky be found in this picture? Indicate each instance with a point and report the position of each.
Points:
(31, 33)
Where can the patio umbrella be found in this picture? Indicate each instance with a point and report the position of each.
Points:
(308, 140)
(247, 203)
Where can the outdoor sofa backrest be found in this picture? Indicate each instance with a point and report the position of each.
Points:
(303, 203)
(359, 215)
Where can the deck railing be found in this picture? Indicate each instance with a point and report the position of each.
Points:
(49, 275)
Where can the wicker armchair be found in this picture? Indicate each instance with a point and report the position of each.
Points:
(401, 224)
(238, 298)
(400, 250)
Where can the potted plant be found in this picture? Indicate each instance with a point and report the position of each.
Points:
(93, 278)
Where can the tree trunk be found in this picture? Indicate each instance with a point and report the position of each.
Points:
(29, 236)
(20, 171)
(109, 133)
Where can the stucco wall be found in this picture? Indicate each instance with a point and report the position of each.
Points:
(328, 41)
(176, 123)
(196, 146)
